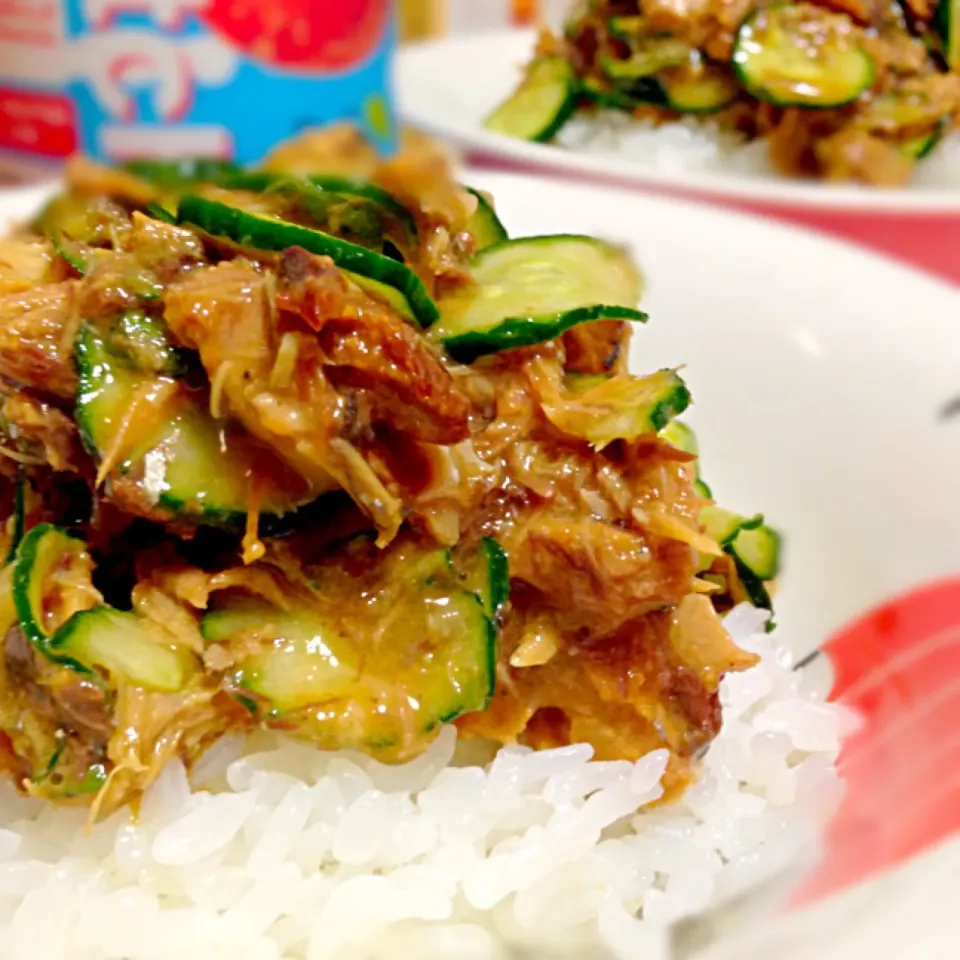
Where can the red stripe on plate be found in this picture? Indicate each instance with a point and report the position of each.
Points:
(899, 668)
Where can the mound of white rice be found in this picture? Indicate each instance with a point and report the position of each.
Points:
(274, 850)
(698, 145)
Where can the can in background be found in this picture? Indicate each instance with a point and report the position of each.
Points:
(227, 78)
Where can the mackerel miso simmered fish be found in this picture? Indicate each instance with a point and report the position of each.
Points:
(839, 90)
(336, 457)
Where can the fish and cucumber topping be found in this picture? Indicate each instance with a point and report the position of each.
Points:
(840, 91)
(344, 458)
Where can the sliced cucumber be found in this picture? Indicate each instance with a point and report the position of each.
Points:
(626, 28)
(383, 689)
(946, 21)
(801, 56)
(656, 54)
(173, 174)
(622, 408)
(702, 91)
(755, 589)
(541, 105)
(683, 438)
(485, 225)
(19, 513)
(123, 645)
(530, 290)
(182, 460)
(758, 549)
(145, 342)
(264, 233)
(602, 93)
(304, 662)
(356, 212)
(159, 212)
(923, 145)
(483, 569)
(345, 187)
(724, 526)
(46, 556)
(66, 776)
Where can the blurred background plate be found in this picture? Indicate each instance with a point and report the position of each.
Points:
(448, 86)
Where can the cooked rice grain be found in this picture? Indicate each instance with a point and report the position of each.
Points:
(275, 850)
(699, 146)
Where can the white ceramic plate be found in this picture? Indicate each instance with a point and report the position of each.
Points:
(448, 86)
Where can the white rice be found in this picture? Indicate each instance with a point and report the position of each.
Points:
(698, 145)
(274, 850)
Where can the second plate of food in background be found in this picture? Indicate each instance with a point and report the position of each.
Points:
(686, 155)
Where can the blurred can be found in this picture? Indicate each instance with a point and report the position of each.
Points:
(227, 78)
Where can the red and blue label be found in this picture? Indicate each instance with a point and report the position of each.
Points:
(227, 78)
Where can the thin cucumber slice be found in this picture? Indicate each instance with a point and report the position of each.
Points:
(483, 569)
(704, 91)
(19, 513)
(43, 552)
(702, 489)
(185, 461)
(758, 549)
(381, 691)
(947, 24)
(173, 174)
(340, 206)
(541, 105)
(123, 645)
(304, 661)
(625, 28)
(530, 290)
(656, 54)
(346, 187)
(923, 145)
(622, 408)
(264, 233)
(755, 588)
(724, 526)
(801, 56)
(485, 225)
(100, 639)
(681, 436)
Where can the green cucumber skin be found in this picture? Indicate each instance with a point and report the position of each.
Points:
(755, 588)
(552, 126)
(260, 233)
(176, 173)
(369, 191)
(670, 406)
(559, 120)
(259, 181)
(19, 513)
(498, 571)
(485, 224)
(23, 571)
(514, 332)
(760, 92)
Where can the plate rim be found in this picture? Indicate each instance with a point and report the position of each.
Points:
(735, 217)
(934, 203)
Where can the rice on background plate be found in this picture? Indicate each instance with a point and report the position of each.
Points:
(272, 849)
(696, 145)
